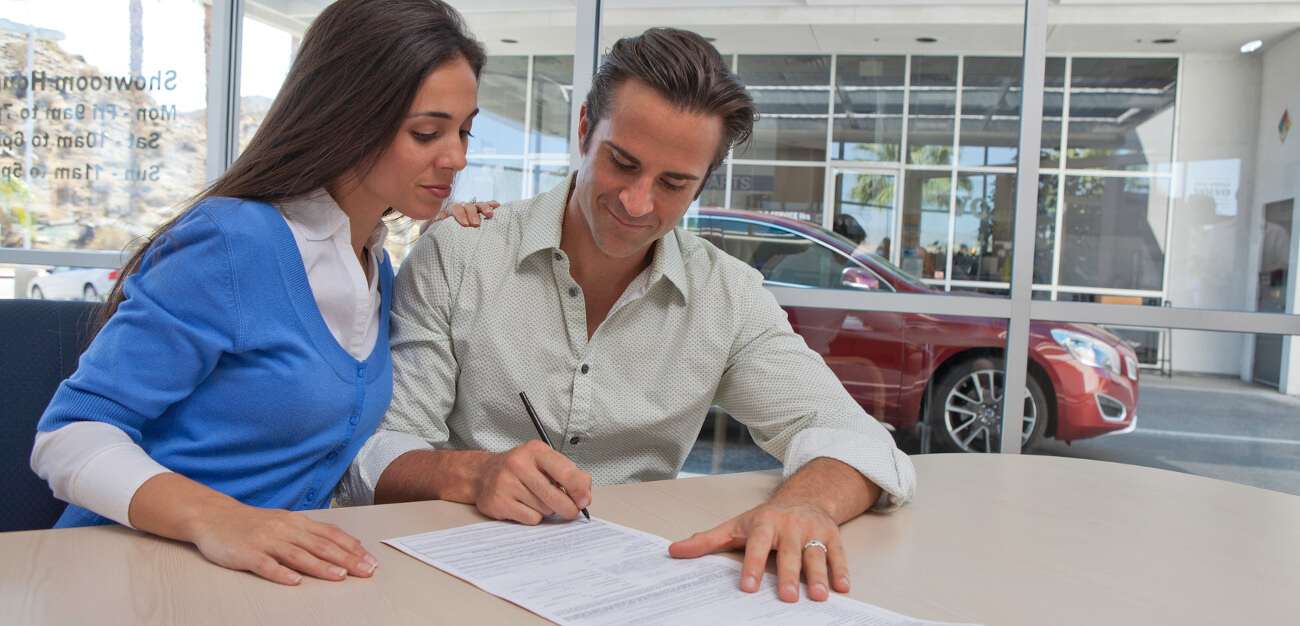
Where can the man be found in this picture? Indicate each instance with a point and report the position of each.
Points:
(623, 330)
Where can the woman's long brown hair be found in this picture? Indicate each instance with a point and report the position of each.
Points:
(349, 89)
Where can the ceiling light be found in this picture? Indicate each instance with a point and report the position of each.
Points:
(1164, 41)
(509, 41)
(926, 39)
(710, 38)
(1247, 48)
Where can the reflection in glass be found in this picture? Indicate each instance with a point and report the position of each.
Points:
(986, 208)
(1053, 113)
(924, 245)
(490, 179)
(794, 192)
(792, 96)
(544, 176)
(1113, 232)
(868, 107)
(715, 189)
(990, 111)
(499, 126)
(1045, 231)
(932, 110)
(864, 210)
(552, 94)
(104, 129)
(1121, 113)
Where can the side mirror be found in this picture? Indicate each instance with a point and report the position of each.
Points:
(859, 278)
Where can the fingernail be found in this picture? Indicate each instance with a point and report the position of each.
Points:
(583, 502)
(749, 582)
(370, 558)
(366, 568)
(819, 588)
(844, 581)
(293, 578)
(789, 590)
(338, 572)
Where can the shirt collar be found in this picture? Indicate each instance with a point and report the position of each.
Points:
(545, 220)
(319, 218)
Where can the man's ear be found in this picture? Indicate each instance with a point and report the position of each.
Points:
(584, 127)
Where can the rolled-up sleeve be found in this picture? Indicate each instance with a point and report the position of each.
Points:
(797, 409)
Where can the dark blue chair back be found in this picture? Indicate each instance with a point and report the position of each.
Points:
(40, 342)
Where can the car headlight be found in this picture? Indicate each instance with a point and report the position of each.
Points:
(1088, 349)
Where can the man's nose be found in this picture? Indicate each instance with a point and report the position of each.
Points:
(637, 198)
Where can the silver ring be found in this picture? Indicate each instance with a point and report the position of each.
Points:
(819, 544)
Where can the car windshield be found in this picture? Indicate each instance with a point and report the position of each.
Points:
(882, 263)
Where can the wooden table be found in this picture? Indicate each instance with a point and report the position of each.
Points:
(989, 538)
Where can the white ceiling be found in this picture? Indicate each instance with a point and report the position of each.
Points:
(867, 26)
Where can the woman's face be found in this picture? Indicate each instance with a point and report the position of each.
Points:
(414, 174)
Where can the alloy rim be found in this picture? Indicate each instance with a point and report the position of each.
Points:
(973, 412)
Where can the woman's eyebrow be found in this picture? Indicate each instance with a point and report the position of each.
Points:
(440, 115)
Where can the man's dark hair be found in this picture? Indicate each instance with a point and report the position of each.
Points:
(684, 69)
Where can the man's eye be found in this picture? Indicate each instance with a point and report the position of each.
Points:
(621, 165)
(673, 187)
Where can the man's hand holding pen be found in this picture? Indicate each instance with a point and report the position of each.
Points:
(529, 482)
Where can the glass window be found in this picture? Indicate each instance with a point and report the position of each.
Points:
(502, 92)
(783, 256)
(1112, 232)
(1121, 113)
(990, 111)
(932, 110)
(868, 108)
(982, 228)
(792, 94)
(924, 238)
(552, 98)
(794, 192)
(103, 126)
(864, 209)
(1053, 113)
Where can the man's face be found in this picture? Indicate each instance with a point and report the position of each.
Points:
(640, 170)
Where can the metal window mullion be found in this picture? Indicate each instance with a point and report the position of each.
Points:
(896, 250)
(828, 177)
(223, 85)
(952, 183)
(1060, 179)
(527, 175)
(586, 55)
(1022, 263)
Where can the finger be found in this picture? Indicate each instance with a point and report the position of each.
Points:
(518, 512)
(342, 549)
(461, 213)
(486, 208)
(788, 563)
(722, 537)
(757, 548)
(814, 570)
(550, 495)
(266, 567)
(301, 560)
(576, 483)
(839, 564)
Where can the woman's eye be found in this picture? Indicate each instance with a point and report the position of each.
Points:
(465, 134)
(422, 137)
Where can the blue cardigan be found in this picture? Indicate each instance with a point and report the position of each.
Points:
(220, 366)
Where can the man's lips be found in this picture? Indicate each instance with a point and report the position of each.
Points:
(624, 223)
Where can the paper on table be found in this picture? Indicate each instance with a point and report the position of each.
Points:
(578, 572)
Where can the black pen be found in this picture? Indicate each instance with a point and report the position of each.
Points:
(537, 423)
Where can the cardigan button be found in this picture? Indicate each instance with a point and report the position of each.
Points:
(354, 420)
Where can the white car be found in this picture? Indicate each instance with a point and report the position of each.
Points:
(72, 283)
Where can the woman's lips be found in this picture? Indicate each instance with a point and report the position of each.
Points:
(441, 192)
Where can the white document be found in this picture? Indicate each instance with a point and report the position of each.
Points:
(580, 572)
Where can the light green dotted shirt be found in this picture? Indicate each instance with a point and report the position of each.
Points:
(480, 314)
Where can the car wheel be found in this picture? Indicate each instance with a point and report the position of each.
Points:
(37, 294)
(89, 294)
(966, 408)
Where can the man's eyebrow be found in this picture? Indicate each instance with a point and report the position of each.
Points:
(637, 162)
(439, 114)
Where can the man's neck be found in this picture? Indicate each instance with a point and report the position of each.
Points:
(603, 278)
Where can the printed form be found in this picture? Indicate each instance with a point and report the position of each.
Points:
(579, 572)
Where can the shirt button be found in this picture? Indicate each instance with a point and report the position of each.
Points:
(573, 292)
(311, 495)
(559, 257)
(574, 441)
(354, 420)
(585, 368)
(361, 373)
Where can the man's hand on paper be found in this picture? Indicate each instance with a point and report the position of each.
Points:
(809, 507)
(524, 484)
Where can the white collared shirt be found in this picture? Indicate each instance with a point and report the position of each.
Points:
(346, 299)
(97, 466)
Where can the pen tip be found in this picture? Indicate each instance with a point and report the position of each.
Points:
(586, 515)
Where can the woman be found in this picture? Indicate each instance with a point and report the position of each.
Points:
(244, 358)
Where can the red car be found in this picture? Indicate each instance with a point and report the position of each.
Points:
(1083, 381)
